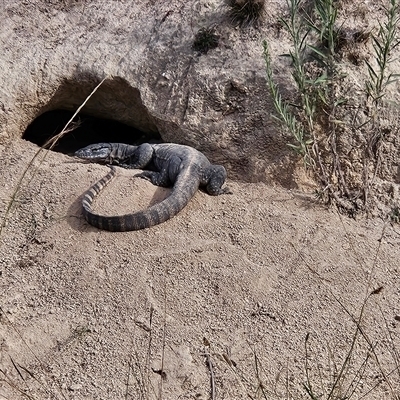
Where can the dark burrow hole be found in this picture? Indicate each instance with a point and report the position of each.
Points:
(88, 130)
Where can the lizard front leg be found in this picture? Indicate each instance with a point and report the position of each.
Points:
(140, 157)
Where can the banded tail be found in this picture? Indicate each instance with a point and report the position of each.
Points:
(183, 190)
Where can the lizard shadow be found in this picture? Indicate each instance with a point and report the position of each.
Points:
(77, 221)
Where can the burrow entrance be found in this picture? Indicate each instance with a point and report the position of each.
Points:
(114, 113)
(87, 130)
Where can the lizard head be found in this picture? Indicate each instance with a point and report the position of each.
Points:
(99, 152)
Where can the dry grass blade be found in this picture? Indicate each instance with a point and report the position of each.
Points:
(52, 141)
(139, 367)
(342, 377)
(48, 391)
(260, 386)
(14, 386)
(162, 372)
(16, 368)
(308, 385)
(212, 377)
(47, 146)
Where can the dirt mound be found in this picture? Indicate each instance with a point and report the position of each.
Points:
(244, 278)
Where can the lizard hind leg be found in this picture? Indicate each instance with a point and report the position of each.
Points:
(156, 178)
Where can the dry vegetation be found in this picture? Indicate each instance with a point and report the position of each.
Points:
(342, 128)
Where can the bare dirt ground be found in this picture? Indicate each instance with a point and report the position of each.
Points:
(239, 281)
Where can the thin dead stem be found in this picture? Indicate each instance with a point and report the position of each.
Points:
(162, 375)
(212, 377)
(48, 391)
(46, 147)
(356, 320)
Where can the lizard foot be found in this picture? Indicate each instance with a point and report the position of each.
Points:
(143, 175)
(226, 190)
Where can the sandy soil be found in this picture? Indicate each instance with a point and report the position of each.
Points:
(239, 281)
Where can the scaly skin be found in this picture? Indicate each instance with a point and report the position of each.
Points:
(165, 164)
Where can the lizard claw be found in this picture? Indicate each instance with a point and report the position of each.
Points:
(143, 175)
(226, 190)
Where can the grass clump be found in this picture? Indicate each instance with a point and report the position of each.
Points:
(384, 42)
(206, 39)
(313, 73)
(324, 25)
(321, 117)
(245, 12)
(286, 117)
